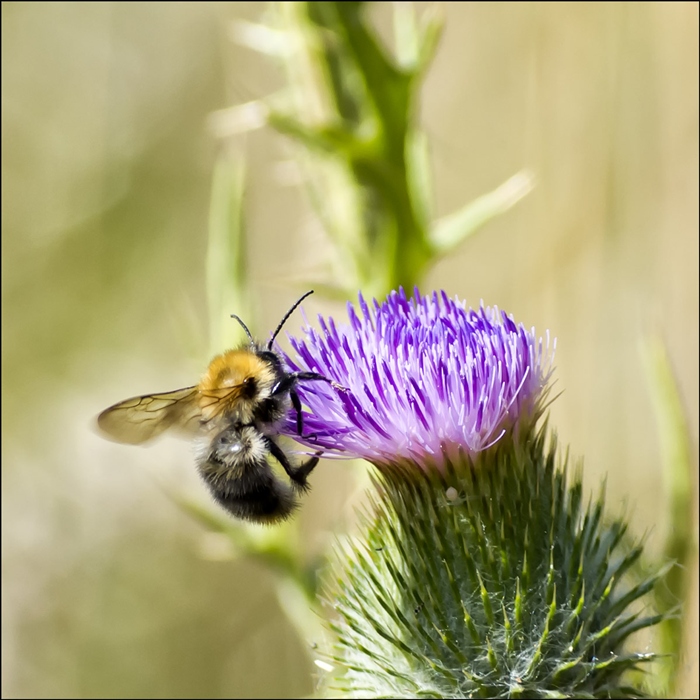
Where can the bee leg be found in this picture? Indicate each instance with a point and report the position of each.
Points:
(287, 384)
(297, 407)
(296, 403)
(315, 376)
(305, 468)
(296, 474)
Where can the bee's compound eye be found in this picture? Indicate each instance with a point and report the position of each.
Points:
(250, 387)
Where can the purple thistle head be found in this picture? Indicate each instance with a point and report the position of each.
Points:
(427, 379)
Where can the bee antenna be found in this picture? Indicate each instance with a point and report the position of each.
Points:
(245, 328)
(286, 316)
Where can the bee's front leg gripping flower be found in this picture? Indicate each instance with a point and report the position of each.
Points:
(478, 572)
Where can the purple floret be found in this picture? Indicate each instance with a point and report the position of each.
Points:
(427, 379)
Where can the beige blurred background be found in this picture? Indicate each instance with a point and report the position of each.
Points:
(108, 590)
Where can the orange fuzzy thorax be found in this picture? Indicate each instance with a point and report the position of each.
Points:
(223, 379)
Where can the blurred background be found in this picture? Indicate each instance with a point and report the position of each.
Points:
(110, 589)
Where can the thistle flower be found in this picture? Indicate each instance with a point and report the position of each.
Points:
(485, 576)
(428, 380)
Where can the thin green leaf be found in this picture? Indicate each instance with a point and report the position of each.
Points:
(226, 276)
(406, 37)
(326, 139)
(419, 174)
(432, 24)
(680, 545)
(447, 233)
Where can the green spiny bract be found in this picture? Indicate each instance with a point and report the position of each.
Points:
(491, 581)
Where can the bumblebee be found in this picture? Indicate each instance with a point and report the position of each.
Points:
(234, 413)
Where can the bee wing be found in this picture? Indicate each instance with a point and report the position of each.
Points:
(140, 419)
(213, 401)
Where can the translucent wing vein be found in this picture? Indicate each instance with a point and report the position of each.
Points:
(142, 418)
